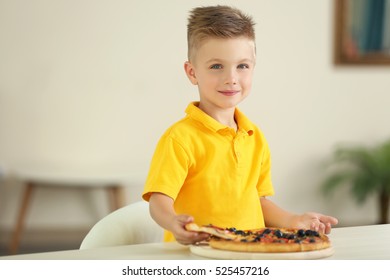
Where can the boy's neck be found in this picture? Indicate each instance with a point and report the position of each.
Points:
(224, 116)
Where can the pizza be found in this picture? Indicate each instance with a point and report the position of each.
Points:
(265, 240)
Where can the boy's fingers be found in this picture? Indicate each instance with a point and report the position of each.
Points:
(192, 238)
(328, 220)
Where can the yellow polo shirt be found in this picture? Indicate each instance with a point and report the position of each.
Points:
(212, 172)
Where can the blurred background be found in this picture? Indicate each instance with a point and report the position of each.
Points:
(88, 87)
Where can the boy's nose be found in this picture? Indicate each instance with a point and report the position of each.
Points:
(231, 78)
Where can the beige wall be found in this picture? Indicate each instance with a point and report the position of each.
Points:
(95, 83)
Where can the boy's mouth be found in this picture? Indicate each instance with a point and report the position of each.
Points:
(229, 92)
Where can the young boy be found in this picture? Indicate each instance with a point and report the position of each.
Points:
(213, 166)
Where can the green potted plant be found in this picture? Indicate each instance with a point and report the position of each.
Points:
(366, 170)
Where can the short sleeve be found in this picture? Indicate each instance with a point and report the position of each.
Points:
(168, 169)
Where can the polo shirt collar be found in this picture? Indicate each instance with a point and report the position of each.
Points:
(243, 123)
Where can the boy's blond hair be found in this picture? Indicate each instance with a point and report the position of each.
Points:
(217, 22)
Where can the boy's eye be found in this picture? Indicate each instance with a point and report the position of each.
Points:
(216, 66)
(243, 66)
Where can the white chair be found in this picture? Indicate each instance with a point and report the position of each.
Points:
(131, 224)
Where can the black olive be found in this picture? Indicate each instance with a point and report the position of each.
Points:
(309, 232)
(291, 236)
(301, 233)
(278, 233)
(267, 231)
(256, 239)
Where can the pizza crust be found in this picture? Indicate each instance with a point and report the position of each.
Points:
(260, 247)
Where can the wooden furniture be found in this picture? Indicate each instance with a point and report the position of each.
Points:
(34, 177)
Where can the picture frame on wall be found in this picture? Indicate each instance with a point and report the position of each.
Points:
(362, 32)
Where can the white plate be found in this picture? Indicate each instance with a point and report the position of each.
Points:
(208, 252)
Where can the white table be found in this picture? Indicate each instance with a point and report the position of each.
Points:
(34, 176)
(350, 243)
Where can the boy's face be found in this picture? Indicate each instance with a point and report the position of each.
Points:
(222, 69)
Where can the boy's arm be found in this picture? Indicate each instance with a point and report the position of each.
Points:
(162, 211)
(274, 216)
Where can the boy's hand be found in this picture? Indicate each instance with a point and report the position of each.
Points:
(162, 211)
(182, 235)
(315, 221)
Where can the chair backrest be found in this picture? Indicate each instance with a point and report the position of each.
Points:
(131, 224)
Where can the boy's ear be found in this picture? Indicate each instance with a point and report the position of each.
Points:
(190, 71)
